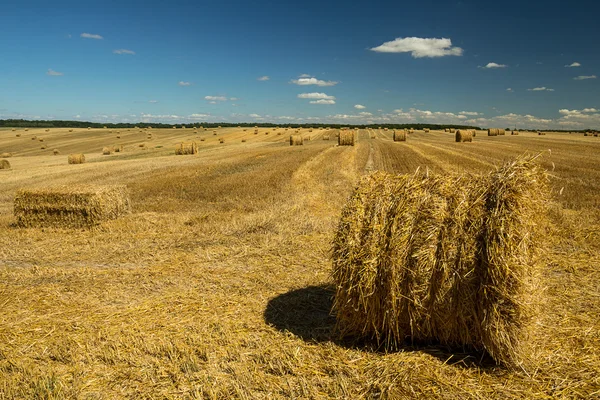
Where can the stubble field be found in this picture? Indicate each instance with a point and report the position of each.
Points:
(218, 284)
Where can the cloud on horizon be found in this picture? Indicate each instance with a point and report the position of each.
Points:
(91, 36)
(52, 72)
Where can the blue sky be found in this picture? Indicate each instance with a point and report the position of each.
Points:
(476, 62)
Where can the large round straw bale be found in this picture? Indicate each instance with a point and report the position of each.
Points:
(400, 135)
(4, 164)
(452, 130)
(346, 138)
(446, 130)
(501, 132)
(5, 155)
(493, 132)
(26, 129)
(76, 158)
(514, 132)
(464, 135)
(442, 259)
(296, 140)
(106, 151)
(426, 130)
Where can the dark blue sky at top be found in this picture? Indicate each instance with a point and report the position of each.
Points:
(186, 51)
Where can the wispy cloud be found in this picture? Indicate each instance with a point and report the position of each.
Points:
(263, 78)
(494, 65)
(303, 81)
(541, 89)
(468, 113)
(123, 51)
(215, 98)
(91, 36)
(254, 116)
(52, 72)
(509, 90)
(152, 101)
(420, 47)
(322, 101)
(582, 77)
(315, 95)
(575, 64)
(359, 107)
(182, 83)
(233, 99)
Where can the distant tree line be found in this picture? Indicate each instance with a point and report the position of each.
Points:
(22, 123)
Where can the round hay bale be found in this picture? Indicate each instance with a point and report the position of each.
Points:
(464, 135)
(70, 130)
(18, 135)
(34, 138)
(514, 133)
(106, 151)
(142, 145)
(118, 136)
(214, 133)
(41, 139)
(346, 138)
(76, 158)
(26, 129)
(443, 259)
(400, 135)
(43, 147)
(493, 131)
(296, 140)
(541, 133)
(243, 140)
(47, 130)
(5, 155)
(221, 140)
(426, 130)
(4, 164)
(55, 152)
(325, 137)
(202, 139)
(13, 129)
(451, 130)
(267, 132)
(186, 148)
(118, 148)
(501, 132)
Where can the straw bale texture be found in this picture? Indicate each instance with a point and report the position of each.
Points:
(493, 132)
(76, 158)
(443, 259)
(346, 138)
(18, 135)
(118, 148)
(296, 140)
(5, 155)
(325, 137)
(400, 136)
(514, 133)
(4, 164)
(70, 206)
(106, 151)
(464, 135)
(425, 130)
(56, 152)
(186, 148)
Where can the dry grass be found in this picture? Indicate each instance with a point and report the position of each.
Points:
(6, 155)
(210, 290)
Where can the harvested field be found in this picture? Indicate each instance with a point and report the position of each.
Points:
(208, 289)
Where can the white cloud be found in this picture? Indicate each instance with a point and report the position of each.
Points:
(322, 101)
(541, 89)
(420, 47)
(52, 72)
(91, 36)
(212, 102)
(365, 114)
(198, 116)
(494, 65)
(263, 78)
(123, 51)
(509, 90)
(589, 110)
(305, 76)
(359, 107)
(582, 77)
(153, 101)
(315, 96)
(215, 98)
(575, 64)
(233, 99)
(254, 116)
(468, 113)
(182, 83)
(303, 81)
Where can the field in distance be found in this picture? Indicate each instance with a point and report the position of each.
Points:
(218, 284)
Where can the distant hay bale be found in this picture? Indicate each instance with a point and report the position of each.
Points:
(452, 130)
(464, 135)
(411, 130)
(186, 148)
(325, 137)
(43, 147)
(4, 164)
(221, 140)
(34, 138)
(41, 139)
(70, 206)
(346, 138)
(266, 132)
(142, 145)
(278, 133)
(501, 132)
(443, 259)
(541, 133)
(118, 136)
(446, 130)
(56, 152)
(89, 127)
(514, 133)
(296, 140)
(76, 158)
(493, 131)
(372, 134)
(214, 133)
(307, 138)
(174, 127)
(70, 130)
(585, 133)
(106, 151)
(118, 148)
(243, 140)
(6, 155)
(18, 135)
(399, 135)
(26, 129)
(47, 130)
(426, 130)
(104, 127)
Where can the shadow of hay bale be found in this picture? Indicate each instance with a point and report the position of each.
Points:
(306, 314)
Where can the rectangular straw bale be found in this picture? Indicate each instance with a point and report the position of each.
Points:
(443, 259)
(70, 206)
